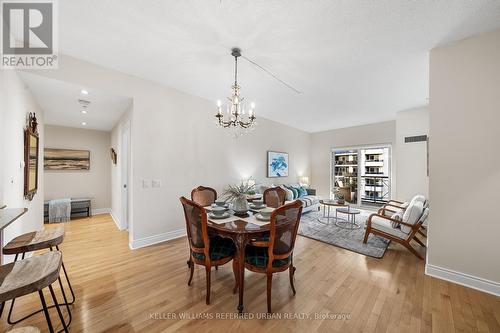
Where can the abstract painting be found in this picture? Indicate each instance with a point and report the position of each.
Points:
(277, 164)
(66, 159)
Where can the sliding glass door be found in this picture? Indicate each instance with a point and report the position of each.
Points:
(362, 175)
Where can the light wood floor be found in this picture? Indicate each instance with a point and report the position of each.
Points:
(119, 290)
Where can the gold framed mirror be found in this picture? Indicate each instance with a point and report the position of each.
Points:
(31, 157)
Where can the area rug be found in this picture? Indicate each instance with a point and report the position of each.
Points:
(351, 240)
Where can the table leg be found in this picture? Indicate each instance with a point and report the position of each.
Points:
(241, 243)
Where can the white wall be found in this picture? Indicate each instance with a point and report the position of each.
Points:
(323, 142)
(412, 157)
(465, 162)
(174, 140)
(16, 102)
(94, 183)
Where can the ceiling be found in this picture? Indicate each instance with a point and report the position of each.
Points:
(59, 102)
(355, 61)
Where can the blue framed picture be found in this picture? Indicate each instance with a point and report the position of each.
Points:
(277, 164)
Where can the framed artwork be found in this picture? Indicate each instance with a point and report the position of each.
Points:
(31, 145)
(66, 159)
(277, 164)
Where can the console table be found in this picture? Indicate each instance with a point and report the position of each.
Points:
(7, 216)
(79, 207)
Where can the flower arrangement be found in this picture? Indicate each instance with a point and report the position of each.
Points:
(234, 192)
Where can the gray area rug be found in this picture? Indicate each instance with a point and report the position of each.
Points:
(351, 240)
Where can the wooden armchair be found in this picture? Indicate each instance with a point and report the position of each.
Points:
(204, 196)
(382, 225)
(204, 250)
(276, 254)
(274, 197)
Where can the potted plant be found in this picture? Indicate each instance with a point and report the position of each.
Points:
(237, 194)
(339, 196)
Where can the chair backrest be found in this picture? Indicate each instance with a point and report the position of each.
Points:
(412, 215)
(196, 226)
(204, 196)
(284, 226)
(274, 197)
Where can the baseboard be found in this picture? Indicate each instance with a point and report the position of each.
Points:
(147, 241)
(463, 279)
(101, 211)
(116, 220)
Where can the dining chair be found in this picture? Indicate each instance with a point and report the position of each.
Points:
(274, 197)
(204, 250)
(204, 196)
(276, 254)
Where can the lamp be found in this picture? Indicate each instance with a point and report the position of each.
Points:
(304, 181)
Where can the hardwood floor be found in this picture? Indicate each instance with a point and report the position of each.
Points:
(119, 290)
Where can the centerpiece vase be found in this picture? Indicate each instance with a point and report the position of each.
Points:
(240, 205)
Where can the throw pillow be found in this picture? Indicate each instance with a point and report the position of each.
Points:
(396, 216)
(302, 192)
(295, 192)
(289, 193)
(411, 215)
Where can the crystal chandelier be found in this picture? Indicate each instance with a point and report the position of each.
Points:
(236, 117)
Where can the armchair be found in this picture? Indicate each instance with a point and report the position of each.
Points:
(382, 225)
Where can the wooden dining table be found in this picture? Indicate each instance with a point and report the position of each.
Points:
(241, 230)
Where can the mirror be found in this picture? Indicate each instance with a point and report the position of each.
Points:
(31, 149)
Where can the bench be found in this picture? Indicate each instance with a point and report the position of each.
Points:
(80, 207)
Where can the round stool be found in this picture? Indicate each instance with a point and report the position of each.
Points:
(34, 241)
(32, 275)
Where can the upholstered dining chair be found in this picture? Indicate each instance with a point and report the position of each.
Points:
(274, 197)
(402, 230)
(276, 254)
(204, 250)
(204, 196)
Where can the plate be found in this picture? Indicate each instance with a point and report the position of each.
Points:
(258, 207)
(218, 217)
(262, 218)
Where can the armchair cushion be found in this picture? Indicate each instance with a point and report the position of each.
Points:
(412, 215)
(385, 225)
(219, 248)
(397, 216)
(258, 256)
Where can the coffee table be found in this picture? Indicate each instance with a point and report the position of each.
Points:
(326, 207)
(350, 223)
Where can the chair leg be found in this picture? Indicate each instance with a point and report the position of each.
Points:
(58, 309)
(235, 272)
(208, 273)
(367, 232)
(419, 241)
(291, 272)
(269, 288)
(191, 267)
(412, 250)
(46, 311)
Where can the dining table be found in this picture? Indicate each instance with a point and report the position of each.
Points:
(241, 230)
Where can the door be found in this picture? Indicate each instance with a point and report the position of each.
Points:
(125, 176)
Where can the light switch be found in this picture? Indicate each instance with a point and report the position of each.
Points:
(145, 183)
(156, 183)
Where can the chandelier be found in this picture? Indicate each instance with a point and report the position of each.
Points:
(236, 117)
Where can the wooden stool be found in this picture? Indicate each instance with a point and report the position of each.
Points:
(34, 241)
(33, 275)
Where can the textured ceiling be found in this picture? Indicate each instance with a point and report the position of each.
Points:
(355, 61)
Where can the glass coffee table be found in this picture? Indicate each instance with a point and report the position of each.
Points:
(325, 219)
(350, 223)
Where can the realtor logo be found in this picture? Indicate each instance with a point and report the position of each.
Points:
(29, 34)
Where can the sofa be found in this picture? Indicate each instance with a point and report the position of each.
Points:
(310, 201)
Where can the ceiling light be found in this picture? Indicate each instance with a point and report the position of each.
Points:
(236, 118)
(84, 92)
(84, 123)
(84, 111)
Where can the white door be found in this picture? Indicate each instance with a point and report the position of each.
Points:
(125, 176)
